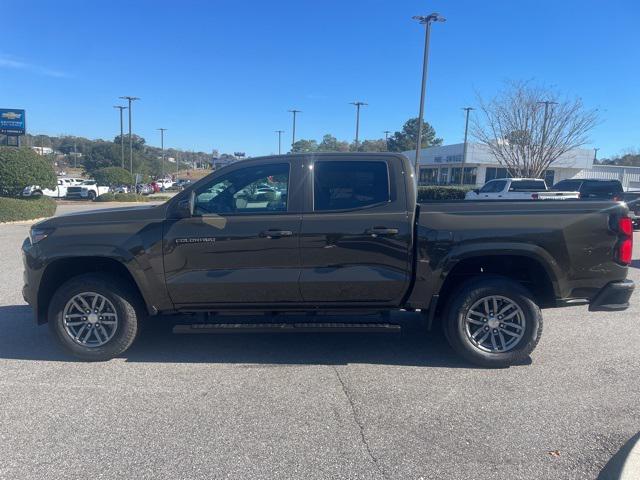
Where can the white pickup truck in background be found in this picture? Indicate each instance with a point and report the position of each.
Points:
(87, 190)
(518, 189)
(59, 192)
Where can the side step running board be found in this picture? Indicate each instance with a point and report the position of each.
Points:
(284, 327)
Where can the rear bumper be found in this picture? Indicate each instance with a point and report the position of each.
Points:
(614, 296)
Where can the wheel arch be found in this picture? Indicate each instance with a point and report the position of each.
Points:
(61, 270)
(528, 268)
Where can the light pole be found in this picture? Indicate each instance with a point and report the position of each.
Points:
(293, 134)
(464, 150)
(162, 130)
(595, 155)
(427, 21)
(358, 105)
(121, 108)
(130, 99)
(386, 138)
(279, 132)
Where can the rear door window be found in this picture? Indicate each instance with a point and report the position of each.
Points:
(349, 185)
(567, 186)
(527, 186)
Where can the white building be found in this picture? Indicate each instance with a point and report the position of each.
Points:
(443, 165)
(42, 150)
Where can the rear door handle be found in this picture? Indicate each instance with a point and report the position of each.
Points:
(375, 231)
(275, 233)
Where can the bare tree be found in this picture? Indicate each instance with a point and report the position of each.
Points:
(528, 127)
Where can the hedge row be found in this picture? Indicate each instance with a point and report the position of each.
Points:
(20, 167)
(16, 209)
(442, 192)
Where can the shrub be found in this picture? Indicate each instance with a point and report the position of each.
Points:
(121, 197)
(113, 176)
(442, 192)
(15, 209)
(20, 167)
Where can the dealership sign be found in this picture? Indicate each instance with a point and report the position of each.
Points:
(12, 121)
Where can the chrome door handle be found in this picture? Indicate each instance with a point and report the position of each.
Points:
(375, 231)
(274, 233)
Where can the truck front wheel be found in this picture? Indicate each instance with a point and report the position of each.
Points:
(493, 322)
(91, 195)
(93, 318)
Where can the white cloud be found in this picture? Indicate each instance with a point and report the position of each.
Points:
(9, 62)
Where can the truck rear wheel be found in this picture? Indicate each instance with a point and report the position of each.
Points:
(93, 318)
(91, 195)
(493, 322)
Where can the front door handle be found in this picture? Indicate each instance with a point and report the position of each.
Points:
(375, 231)
(275, 233)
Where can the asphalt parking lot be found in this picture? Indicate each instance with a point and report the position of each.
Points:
(314, 406)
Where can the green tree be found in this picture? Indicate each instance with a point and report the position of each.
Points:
(330, 143)
(20, 167)
(113, 176)
(408, 137)
(305, 146)
(379, 145)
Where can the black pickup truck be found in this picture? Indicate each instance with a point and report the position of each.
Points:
(327, 233)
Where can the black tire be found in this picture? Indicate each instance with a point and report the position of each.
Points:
(91, 195)
(126, 306)
(470, 292)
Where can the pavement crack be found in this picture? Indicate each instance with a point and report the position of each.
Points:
(358, 422)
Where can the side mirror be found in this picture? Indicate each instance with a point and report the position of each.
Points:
(476, 191)
(186, 206)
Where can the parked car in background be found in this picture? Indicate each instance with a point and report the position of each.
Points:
(164, 183)
(632, 199)
(518, 189)
(75, 181)
(592, 189)
(182, 183)
(144, 189)
(119, 189)
(87, 190)
(59, 192)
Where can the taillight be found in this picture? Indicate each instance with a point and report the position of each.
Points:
(617, 198)
(535, 196)
(625, 245)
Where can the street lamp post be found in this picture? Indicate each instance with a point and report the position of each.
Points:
(386, 138)
(427, 21)
(595, 155)
(279, 132)
(464, 151)
(130, 99)
(293, 134)
(162, 130)
(121, 108)
(358, 105)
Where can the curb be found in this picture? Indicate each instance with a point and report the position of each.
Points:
(625, 464)
(32, 220)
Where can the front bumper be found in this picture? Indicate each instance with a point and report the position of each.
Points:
(613, 297)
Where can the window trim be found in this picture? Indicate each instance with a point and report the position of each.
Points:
(244, 214)
(366, 207)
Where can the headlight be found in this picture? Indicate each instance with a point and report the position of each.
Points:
(36, 234)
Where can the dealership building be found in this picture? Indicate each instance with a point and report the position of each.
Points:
(444, 165)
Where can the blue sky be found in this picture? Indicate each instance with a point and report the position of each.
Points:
(222, 74)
